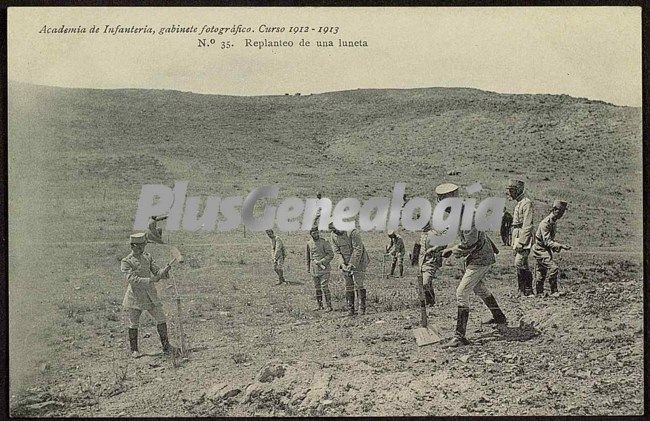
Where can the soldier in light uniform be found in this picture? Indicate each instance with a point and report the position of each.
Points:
(141, 274)
(397, 250)
(476, 254)
(429, 261)
(319, 256)
(279, 254)
(354, 262)
(522, 235)
(544, 247)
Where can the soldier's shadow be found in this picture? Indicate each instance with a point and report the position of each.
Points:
(294, 283)
(522, 333)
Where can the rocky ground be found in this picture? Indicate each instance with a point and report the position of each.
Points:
(578, 354)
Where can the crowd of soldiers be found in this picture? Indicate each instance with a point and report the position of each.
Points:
(474, 250)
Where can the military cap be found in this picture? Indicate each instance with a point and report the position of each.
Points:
(138, 238)
(391, 233)
(446, 188)
(559, 204)
(515, 183)
(268, 230)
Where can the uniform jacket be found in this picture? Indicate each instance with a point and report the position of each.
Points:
(522, 223)
(279, 252)
(141, 292)
(350, 246)
(545, 243)
(396, 247)
(430, 255)
(319, 252)
(475, 247)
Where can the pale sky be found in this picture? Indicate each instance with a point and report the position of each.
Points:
(592, 52)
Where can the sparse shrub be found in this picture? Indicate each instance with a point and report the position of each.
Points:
(112, 316)
(240, 357)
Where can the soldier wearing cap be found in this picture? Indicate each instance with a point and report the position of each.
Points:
(522, 235)
(141, 273)
(396, 250)
(544, 247)
(476, 252)
(429, 261)
(354, 262)
(319, 256)
(279, 254)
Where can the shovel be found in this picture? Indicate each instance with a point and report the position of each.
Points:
(178, 257)
(424, 335)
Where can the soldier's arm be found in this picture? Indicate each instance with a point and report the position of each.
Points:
(155, 269)
(526, 231)
(357, 248)
(329, 254)
(131, 277)
(308, 258)
(278, 249)
(467, 243)
(544, 232)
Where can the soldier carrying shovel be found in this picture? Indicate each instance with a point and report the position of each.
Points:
(544, 246)
(319, 256)
(396, 250)
(354, 262)
(141, 274)
(476, 254)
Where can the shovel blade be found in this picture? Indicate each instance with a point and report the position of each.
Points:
(426, 336)
(176, 254)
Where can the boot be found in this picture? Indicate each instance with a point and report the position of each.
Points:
(520, 281)
(319, 300)
(461, 326)
(552, 281)
(528, 282)
(392, 268)
(280, 276)
(498, 317)
(133, 342)
(401, 270)
(328, 300)
(350, 299)
(362, 301)
(539, 287)
(429, 295)
(164, 339)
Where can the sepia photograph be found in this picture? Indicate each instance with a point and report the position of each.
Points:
(325, 211)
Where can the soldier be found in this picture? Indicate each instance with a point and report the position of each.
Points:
(354, 261)
(319, 256)
(279, 254)
(397, 250)
(506, 225)
(544, 247)
(477, 253)
(141, 274)
(429, 261)
(522, 235)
